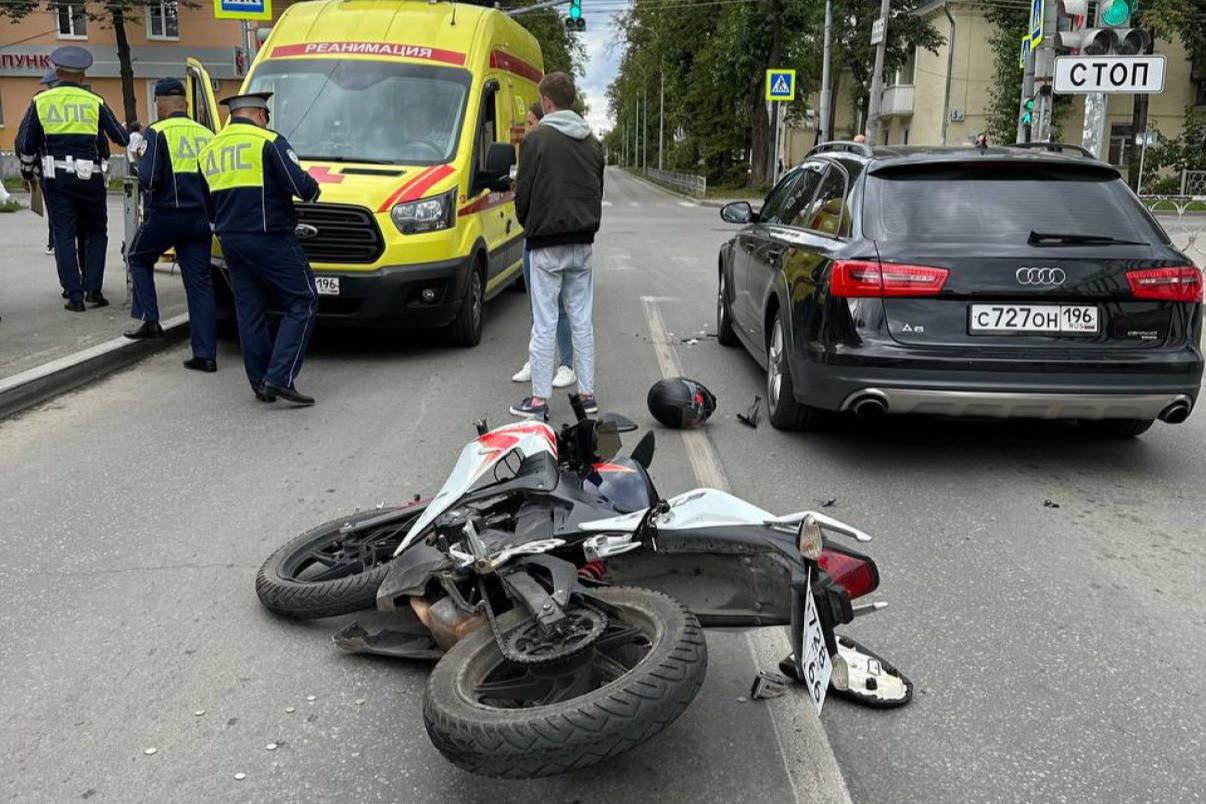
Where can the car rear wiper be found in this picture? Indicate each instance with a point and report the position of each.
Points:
(1054, 238)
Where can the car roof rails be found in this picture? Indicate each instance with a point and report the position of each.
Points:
(847, 146)
(1056, 147)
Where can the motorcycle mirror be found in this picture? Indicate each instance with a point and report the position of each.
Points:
(607, 441)
(623, 423)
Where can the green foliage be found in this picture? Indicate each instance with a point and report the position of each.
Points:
(1005, 91)
(11, 205)
(1186, 151)
(714, 59)
(563, 51)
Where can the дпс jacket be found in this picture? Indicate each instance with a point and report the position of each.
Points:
(559, 187)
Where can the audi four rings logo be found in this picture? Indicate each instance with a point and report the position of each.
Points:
(1040, 276)
(305, 231)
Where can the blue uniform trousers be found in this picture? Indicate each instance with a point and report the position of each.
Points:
(77, 208)
(188, 233)
(270, 271)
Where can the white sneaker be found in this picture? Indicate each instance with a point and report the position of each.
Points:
(564, 377)
(524, 374)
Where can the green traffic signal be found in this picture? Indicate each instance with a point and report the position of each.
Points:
(1117, 13)
(575, 11)
(1030, 104)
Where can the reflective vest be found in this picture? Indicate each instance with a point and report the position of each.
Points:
(186, 139)
(235, 157)
(68, 110)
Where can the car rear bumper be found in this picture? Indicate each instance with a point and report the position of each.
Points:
(988, 404)
(392, 296)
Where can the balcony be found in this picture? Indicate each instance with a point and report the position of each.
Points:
(897, 101)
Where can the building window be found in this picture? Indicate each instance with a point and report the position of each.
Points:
(1121, 143)
(906, 136)
(72, 22)
(1199, 93)
(163, 20)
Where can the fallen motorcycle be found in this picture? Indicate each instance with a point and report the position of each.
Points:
(563, 600)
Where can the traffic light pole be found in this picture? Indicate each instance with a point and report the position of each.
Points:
(1093, 132)
(1024, 128)
(826, 99)
(1044, 74)
(877, 79)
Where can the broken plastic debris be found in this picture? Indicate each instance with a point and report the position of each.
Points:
(742, 699)
(311, 697)
(199, 713)
(270, 747)
(827, 502)
(240, 776)
(767, 685)
(750, 417)
(1050, 504)
(290, 710)
(149, 751)
(359, 701)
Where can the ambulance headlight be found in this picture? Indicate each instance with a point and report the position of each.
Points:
(427, 214)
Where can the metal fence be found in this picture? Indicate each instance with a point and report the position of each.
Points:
(1193, 182)
(1182, 217)
(685, 183)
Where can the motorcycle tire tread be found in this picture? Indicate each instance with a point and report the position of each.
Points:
(522, 744)
(312, 601)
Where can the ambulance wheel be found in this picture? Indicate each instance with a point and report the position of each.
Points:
(466, 328)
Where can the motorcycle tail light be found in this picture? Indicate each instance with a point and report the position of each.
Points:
(1181, 284)
(858, 576)
(852, 279)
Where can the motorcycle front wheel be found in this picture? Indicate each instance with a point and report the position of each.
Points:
(492, 717)
(325, 573)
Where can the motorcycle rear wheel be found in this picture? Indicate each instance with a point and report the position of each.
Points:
(323, 573)
(494, 718)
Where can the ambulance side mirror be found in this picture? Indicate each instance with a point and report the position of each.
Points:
(500, 158)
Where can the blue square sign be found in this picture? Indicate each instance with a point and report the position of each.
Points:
(243, 9)
(780, 85)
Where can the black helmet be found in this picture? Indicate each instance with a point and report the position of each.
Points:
(681, 403)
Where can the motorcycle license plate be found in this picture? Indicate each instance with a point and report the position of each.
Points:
(815, 660)
(327, 285)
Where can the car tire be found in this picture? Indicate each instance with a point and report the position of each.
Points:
(466, 328)
(785, 413)
(725, 335)
(1116, 428)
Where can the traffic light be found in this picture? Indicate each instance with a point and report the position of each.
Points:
(575, 20)
(1028, 111)
(1115, 38)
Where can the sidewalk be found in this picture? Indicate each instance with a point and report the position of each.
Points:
(34, 327)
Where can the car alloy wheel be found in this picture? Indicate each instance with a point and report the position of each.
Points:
(774, 365)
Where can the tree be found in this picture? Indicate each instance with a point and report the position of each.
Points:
(114, 13)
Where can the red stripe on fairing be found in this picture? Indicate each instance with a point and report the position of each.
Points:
(488, 201)
(500, 60)
(396, 194)
(389, 49)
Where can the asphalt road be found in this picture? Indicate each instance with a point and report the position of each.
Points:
(1055, 650)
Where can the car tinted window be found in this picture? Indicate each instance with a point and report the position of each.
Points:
(774, 203)
(801, 194)
(1001, 203)
(827, 213)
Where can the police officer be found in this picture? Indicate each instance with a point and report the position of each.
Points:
(250, 177)
(62, 141)
(175, 218)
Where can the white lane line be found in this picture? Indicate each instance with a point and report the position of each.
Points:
(687, 204)
(618, 262)
(634, 203)
(607, 203)
(808, 757)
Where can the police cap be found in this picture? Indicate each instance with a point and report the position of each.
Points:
(71, 57)
(252, 100)
(166, 87)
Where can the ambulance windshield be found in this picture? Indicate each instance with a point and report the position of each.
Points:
(365, 111)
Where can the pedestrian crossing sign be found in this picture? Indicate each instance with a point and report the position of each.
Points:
(243, 9)
(780, 85)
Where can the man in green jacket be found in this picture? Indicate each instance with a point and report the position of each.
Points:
(559, 202)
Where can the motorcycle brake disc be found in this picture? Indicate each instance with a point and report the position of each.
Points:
(529, 644)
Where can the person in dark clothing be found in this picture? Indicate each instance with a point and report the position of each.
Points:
(559, 202)
(175, 219)
(62, 142)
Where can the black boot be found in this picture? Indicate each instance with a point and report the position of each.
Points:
(289, 394)
(206, 364)
(96, 299)
(148, 329)
(261, 395)
(75, 306)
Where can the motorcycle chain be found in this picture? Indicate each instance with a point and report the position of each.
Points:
(504, 641)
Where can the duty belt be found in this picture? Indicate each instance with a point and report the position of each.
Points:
(81, 168)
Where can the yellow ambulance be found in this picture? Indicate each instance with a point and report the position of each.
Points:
(408, 113)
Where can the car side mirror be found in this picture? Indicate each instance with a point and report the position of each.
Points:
(738, 212)
(496, 175)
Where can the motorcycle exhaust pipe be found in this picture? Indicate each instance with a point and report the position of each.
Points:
(447, 624)
(1175, 413)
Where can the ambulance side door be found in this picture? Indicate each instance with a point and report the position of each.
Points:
(493, 126)
(199, 89)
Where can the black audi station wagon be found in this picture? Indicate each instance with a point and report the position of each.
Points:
(1026, 281)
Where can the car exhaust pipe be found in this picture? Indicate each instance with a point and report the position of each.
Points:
(866, 407)
(1175, 413)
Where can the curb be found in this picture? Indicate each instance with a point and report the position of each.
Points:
(22, 391)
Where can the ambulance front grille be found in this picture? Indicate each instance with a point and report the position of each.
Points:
(346, 234)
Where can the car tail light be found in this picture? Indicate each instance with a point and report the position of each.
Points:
(1180, 284)
(857, 575)
(856, 279)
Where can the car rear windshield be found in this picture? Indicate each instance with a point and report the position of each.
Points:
(1003, 203)
(365, 111)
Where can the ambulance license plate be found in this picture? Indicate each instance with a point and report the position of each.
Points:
(327, 285)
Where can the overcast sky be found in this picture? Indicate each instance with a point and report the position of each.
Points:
(602, 62)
